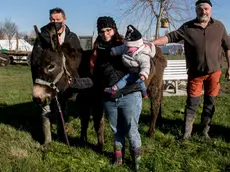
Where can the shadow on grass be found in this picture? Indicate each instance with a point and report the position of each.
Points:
(176, 127)
(25, 116)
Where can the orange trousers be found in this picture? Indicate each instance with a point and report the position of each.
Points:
(210, 83)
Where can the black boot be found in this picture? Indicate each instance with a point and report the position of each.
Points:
(190, 110)
(46, 130)
(207, 114)
(206, 122)
(189, 119)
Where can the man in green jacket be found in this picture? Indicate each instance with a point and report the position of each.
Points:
(204, 38)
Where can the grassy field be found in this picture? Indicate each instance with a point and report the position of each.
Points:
(20, 133)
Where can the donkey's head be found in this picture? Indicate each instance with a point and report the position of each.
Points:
(54, 66)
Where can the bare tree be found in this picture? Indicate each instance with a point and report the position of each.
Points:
(149, 12)
(166, 32)
(30, 37)
(9, 29)
(2, 35)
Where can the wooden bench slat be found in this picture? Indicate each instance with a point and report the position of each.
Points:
(169, 78)
(171, 63)
(177, 65)
(175, 71)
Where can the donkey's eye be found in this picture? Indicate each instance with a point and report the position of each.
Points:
(50, 67)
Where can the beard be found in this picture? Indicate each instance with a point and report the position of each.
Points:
(203, 18)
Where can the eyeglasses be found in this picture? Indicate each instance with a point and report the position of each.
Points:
(105, 31)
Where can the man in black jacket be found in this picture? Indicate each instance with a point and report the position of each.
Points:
(57, 16)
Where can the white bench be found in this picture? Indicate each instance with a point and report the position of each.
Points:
(174, 73)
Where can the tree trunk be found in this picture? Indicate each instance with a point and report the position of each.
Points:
(158, 24)
(17, 37)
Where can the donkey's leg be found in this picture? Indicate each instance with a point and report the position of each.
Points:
(97, 111)
(156, 98)
(83, 111)
(85, 117)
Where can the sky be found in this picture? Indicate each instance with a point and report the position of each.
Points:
(82, 14)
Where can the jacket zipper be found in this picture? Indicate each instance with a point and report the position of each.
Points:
(205, 60)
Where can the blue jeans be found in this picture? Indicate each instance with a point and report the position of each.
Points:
(130, 78)
(123, 114)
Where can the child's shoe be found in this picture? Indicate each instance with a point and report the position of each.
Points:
(109, 90)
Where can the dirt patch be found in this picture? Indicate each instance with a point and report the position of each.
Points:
(18, 152)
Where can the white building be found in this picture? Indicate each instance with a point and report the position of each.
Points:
(12, 45)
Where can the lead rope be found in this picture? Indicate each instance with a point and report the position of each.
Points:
(62, 119)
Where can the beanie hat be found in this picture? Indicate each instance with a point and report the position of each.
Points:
(105, 21)
(133, 37)
(203, 1)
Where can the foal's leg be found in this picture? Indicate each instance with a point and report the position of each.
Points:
(156, 95)
(97, 111)
(83, 109)
(85, 117)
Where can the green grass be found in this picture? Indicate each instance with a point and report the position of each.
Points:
(20, 132)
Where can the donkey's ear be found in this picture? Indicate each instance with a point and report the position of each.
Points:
(54, 42)
(54, 37)
(38, 34)
(39, 38)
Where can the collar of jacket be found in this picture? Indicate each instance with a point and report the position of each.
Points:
(197, 23)
(67, 30)
(139, 50)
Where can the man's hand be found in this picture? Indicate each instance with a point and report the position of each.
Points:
(227, 74)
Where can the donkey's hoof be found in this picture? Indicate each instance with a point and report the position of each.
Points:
(99, 147)
(150, 133)
(44, 147)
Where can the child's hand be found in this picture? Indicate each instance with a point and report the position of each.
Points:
(113, 52)
(69, 81)
(142, 77)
